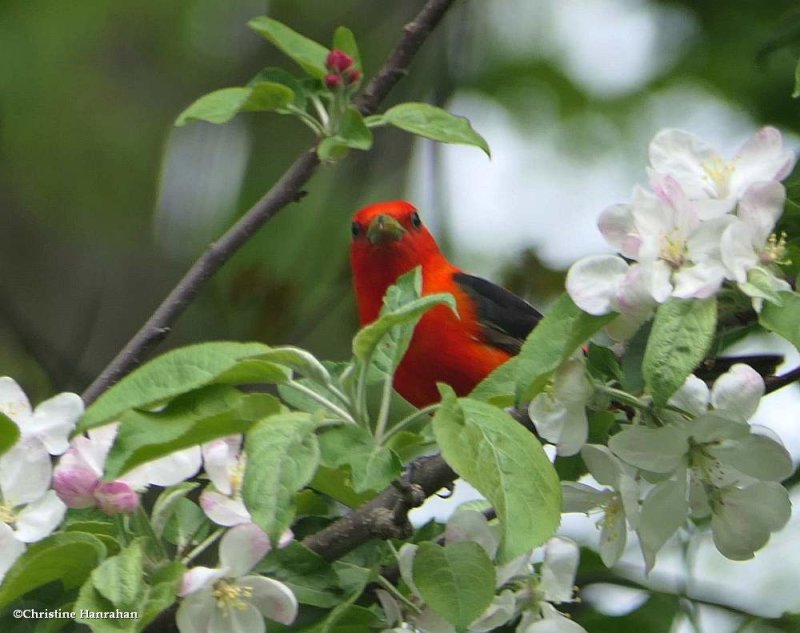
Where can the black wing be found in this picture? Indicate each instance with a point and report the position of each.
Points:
(506, 320)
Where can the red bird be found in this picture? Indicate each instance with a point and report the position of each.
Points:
(389, 240)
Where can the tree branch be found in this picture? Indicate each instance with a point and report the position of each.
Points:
(385, 516)
(773, 383)
(286, 190)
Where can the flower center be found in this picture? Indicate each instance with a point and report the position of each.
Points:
(673, 249)
(718, 171)
(230, 595)
(774, 252)
(237, 476)
(7, 514)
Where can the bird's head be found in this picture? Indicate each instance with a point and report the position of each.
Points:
(392, 231)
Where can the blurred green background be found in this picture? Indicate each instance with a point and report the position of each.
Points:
(103, 205)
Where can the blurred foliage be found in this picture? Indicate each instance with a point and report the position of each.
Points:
(89, 94)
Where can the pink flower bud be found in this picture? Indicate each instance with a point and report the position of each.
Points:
(116, 497)
(352, 76)
(338, 60)
(333, 81)
(76, 486)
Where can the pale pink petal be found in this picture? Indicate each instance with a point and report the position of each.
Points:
(738, 391)
(220, 460)
(699, 281)
(286, 538)
(616, 225)
(116, 497)
(173, 468)
(40, 518)
(593, 282)
(75, 485)
(561, 556)
(704, 243)
(761, 158)
(195, 611)
(272, 598)
(13, 401)
(657, 276)
(760, 208)
(242, 547)
(223, 510)
(11, 548)
(25, 472)
(198, 577)
(692, 397)
(682, 156)
(737, 252)
(54, 419)
(230, 619)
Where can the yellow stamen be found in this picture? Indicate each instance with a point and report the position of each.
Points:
(774, 251)
(230, 595)
(7, 514)
(673, 249)
(718, 172)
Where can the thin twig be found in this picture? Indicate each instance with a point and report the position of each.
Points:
(773, 383)
(286, 190)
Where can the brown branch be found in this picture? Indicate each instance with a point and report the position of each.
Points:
(385, 516)
(286, 190)
(773, 383)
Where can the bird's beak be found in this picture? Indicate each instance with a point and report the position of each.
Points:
(384, 228)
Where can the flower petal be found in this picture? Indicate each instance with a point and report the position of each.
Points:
(616, 225)
(13, 401)
(699, 281)
(593, 282)
(236, 619)
(682, 156)
(168, 470)
(40, 518)
(11, 548)
(220, 459)
(561, 556)
(242, 547)
(760, 207)
(25, 472)
(737, 251)
(272, 598)
(195, 611)
(761, 158)
(54, 419)
(198, 577)
(224, 510)
(692, 396)
(657, 277)
(738, 391)
(471, 525)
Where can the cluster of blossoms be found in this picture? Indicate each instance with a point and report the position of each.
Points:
(521, 594)
(36, 496)
(705, 461)
(342, 72)
(703, 221)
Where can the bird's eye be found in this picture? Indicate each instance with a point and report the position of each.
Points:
(415, 220)
(355, 229)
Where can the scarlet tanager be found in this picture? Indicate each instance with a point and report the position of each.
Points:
(389, 239)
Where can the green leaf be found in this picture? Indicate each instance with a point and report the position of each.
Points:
(500, 386)
(307, 53)
(268, 96)
(337, 483)
(186, 524)
(344, 40)
(282, 457)
(166, 502)
(436, 124)
(219, 106)
(311, 579)
(68, 557)
(353, 133)
(457, 581)
(167, 376)
(189, 420)
(506, 464)
(9, 433)
(401, 308)
(162, 592)
(372, 467)
(682, 333)
(562, 331)
(299, 360)
(120, 579)
(281, 76)
(784, 319)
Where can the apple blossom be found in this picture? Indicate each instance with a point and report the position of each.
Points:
(229, 598)
(717, 182)
(224, 462)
